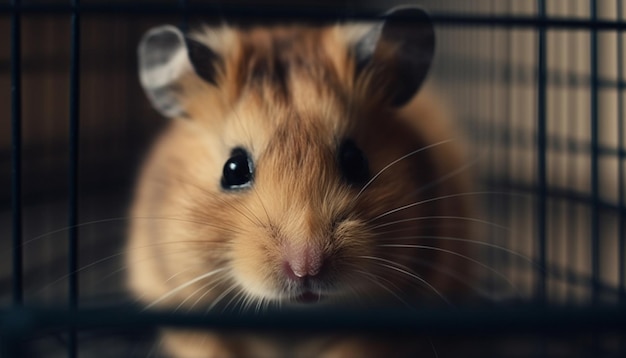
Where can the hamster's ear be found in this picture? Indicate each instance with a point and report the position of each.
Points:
(170, 64)
(395, 54)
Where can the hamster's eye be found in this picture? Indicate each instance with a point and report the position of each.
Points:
(238, 170)
(353, 163)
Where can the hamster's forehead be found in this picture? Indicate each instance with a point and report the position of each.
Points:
(293, 86)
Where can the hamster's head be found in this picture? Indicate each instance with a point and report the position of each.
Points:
(284, 153)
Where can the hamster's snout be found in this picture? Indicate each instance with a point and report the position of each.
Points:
(302, 262)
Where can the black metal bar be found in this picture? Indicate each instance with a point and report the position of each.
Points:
(183, 5)
(467, 322)
(620, 163)
(16, 154)
(572, 223)
(542, 185)
(304, 12)
(496, 205)
(594, 175)
(524, 139)
(74, 127)
(620, 174)
(510, 82)
(526, 190)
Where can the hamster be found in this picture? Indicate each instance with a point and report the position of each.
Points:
(300, 167)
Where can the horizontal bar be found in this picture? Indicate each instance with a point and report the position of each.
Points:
(520, 189)
(531, 319)
(525, 138)
(304, 12)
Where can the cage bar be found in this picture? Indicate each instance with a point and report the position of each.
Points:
(74, 127)
(620, 162)
(542, 186)
(594, 177)
(572, 230)
(304, 13)
(548, 321)
(184, 25)
(16, 154)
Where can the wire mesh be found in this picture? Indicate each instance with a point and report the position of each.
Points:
(538, 321)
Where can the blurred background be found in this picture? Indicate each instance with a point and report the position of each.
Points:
(527, 97)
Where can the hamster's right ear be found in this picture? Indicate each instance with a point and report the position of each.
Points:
(171, 64)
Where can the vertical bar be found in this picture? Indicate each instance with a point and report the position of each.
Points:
(185, 15)
(620, 163)
(572, 231)
(541, 154)
(595, 210)
(510, 81)
(490, 144)
(73, 172)
(16, 152)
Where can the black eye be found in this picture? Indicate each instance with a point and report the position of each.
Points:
(353, 163)
(238, 170)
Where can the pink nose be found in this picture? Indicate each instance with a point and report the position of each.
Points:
(303, 262)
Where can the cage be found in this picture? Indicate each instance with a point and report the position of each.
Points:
(537, 87)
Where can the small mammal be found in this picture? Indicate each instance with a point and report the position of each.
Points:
(299, 168)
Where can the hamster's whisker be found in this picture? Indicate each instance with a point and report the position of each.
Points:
(248, 301)
(177, 274)
(445, 270)
(125, 267)
(473, 242)
(234, 299)
(254, 219)
(458, 195)
(443, 217)
(380, 172)
(127, 218)
(411, 230)
(215, 284)
(376, 280)
(183, 286)
(433, 347)
(219, 298)
(267, 215)
(56, 231)
(259, 305)
(191, 295)
(194, 222)
(238, 305)
(360, 293)
(216, 197)
(406, 271)
(140, 298)
(155, 348)
(434, 248)
(100, 261)
(243, 305)
(212, 283)
(447, 176)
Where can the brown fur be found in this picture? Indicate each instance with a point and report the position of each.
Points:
(290, 96)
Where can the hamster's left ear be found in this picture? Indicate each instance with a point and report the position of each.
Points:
(171, 66)
(394, 55)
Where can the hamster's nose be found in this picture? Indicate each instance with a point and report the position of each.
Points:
(303, 262)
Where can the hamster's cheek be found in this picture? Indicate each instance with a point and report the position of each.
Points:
(254, 266)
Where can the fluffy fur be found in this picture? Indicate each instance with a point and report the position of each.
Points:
(289, 96)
